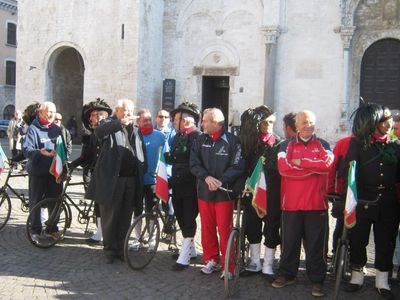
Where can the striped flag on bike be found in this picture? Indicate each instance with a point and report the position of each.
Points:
(3, 159)
(351, 197)
(59, 160)
(256, 184)
(162, 190)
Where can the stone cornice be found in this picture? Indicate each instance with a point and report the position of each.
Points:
(9, 5)
(271, 34)
(346, 33)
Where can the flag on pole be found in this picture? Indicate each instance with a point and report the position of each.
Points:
(59, 160)
(256, 184)
(351, 197)
(3, 159)
(162, 190)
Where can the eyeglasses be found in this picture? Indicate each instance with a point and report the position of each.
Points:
(163, 117)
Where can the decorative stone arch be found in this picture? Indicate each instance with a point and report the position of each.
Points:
(348, 9)
(64, 79)
(220, 58)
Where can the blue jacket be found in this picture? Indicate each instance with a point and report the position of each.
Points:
(39, 137)
(155, 142)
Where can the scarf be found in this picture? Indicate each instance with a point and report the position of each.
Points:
(145, 130)
(44, 122)
(267, 138)
(216, 135)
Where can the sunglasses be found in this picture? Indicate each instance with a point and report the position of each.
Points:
(163, 117)
(57, 119)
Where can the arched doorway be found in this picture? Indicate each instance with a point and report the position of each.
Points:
(8, 112)
(65, 83)
(380, 73)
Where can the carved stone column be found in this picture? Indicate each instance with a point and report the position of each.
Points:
(346, 33)
(271, 36)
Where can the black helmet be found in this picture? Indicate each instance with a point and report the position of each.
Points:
(187, 107)
(98, 105)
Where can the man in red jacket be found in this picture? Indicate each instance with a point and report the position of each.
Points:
(304, 163)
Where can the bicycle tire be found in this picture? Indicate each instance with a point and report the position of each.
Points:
(339, 269)
(5, 209)
(232, 256)
(57, 223)
(141, 241)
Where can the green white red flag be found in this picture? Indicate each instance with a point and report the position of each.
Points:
(59, 160)
(256, 184)
(162, 190)
(351, 197)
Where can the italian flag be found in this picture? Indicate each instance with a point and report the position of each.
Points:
(256, 184)
(3, 159)
(59, 160)
(351, 197)
(162, 190)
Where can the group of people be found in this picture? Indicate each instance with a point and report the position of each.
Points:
(122, 149)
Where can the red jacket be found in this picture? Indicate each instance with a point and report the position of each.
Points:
(336, 177)
(304, 186)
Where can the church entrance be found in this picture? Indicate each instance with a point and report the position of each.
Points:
(215, 93)
(65, 79)
(380, 73)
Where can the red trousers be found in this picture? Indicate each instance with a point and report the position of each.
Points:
(212, 215)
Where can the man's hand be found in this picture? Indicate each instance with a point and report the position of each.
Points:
(128, 120)
(213, 183)
(47, 153)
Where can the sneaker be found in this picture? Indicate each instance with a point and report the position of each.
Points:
(56, 235)
(210, 267)
(230, 276)
(253, 267)
(281, 282)
(135, 246)
(316, 290)
(35, 238)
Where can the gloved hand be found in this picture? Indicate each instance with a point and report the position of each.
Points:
(338, 209)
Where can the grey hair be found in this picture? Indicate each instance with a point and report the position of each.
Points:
(143, 111)
(215, 114)
(188, 117)
(121, 102)
(309, 113)
(45, 105)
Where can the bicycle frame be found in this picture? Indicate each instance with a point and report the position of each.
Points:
(6, 186)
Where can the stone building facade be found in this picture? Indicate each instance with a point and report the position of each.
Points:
(290, 55)
(8, 45)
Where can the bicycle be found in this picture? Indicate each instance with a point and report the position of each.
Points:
(144, 236)
(341, 259)
(56, 216)
(237, 250)
(5, 202)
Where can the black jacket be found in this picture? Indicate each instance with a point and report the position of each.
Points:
(221, 159)
(106, 172)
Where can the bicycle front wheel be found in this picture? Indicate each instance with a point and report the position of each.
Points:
(47, 223)
(141, 241)
(5, 209)
(340, 264)
(232, 263)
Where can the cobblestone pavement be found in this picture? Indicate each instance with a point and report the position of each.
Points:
(74, 270)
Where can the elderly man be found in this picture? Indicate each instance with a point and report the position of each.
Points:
(65, 134)
(183, 183)
(13, 132)
(116, 184)
(216, 161)
(38, 148)
(304, 163)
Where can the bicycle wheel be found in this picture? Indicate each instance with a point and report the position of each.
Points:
(47, 223)
(232, 263)
(141, 241)
(340, 264)
(5, 209)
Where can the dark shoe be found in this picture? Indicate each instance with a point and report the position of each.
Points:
(316, 290)
(387, 294)
(109, 259)
(281, 282)
(175, 256)
(179, 267)
(120, 257)
(352, 287)
(92, 241)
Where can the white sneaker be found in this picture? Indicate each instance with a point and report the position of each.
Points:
(35, 238)
(222, 277)
(135, 246)
(210, 267)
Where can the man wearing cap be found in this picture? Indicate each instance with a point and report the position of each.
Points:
(183, 183)
(92, 114)
(117, 180)
(216, 161)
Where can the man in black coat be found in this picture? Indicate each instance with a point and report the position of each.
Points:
(117, 181)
